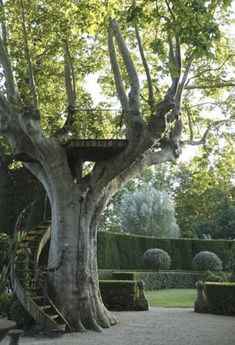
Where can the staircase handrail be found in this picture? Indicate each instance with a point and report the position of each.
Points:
(27, 209)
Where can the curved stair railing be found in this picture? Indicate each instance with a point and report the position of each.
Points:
(29, 281)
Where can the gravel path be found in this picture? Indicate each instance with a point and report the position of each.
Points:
(159, 326)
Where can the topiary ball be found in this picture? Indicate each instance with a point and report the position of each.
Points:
(206, 260)
(156, 259)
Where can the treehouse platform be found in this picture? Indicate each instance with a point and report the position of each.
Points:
(94, 150)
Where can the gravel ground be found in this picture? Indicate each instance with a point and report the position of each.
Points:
(159, 326)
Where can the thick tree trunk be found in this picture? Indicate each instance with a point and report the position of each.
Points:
(73, 258)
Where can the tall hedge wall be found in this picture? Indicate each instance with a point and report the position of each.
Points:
(121, 251)
(18, 188)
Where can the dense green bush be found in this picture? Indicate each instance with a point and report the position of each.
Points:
(220, 298)
(122, 251)
(5, 249)
(12, 203)
(6, 300)
(207, 260)
(157, 259)
(20, 315)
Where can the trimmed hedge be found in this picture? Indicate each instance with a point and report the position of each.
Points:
(122, 251)
(118, 294)
(220, 298)
(12, 203)
(156, 280)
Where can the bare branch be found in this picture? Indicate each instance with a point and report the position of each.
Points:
(3, 26)
(170, 10)
(158, 123)
(28, 59)
(198, 75)
(190, 124)
(151, 158)
(212, 86)
(68, 83)
(70, 80)
(134, 97)
(116, 72)
(6, 64)
(151, 99)
(201, 141)
(184, 79)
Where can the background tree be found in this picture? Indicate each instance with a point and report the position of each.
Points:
(148, 212)
(204, 194)
(38, 112)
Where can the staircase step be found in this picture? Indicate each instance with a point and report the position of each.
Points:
(53, 316)
(61, 327)
(45, 307)
(38, 298)
(34, 288)
(43, 226)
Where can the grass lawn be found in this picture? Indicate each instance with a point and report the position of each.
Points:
(172, 298)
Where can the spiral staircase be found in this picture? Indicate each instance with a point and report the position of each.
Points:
(29, 279)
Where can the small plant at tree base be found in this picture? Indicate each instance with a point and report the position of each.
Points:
(232, 276)
(6, 300)
(20, 315)
(156, 259)
(206, 260)
(219, 276)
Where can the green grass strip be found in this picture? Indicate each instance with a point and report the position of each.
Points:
(172, 298)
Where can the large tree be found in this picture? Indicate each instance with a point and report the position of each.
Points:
(39, 40)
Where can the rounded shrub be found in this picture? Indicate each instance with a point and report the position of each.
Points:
(206, 260)
(156, 258)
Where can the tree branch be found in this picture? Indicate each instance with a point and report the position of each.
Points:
(116, 72)
(184, 79)
(202, 141)
(3, 26)
(151, 100)
(69, 78)
(211, 86)
(189, 122)
(166, 154)
(198, 75)
(6, 64)
(134, 98)
(29, 61)
(158, 123)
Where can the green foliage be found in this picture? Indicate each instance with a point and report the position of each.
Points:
(4, 279)
(5, 250)
(6, 300)
(20, 315)
(157, 259)
(219, 276)
(206, 260)
(220, 298)
(148, 212)
(12, 203)
(205, 195)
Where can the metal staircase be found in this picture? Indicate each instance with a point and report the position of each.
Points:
(29, 280)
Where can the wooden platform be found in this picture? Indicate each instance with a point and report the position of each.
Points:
(94, 150)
